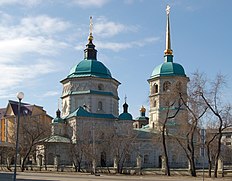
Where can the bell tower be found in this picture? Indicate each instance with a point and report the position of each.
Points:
(166, 82)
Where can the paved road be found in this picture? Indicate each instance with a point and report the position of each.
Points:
(87, 177)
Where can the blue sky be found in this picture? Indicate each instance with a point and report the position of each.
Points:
(40, 40)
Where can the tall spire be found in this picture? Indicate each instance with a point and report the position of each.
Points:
(168, 50)
(90, 38)
(90, 52)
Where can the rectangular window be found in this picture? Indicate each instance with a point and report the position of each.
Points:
(228, 143)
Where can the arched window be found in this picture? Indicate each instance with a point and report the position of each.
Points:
(166, 86)
(100, 87)
(99, 106)
(155, 88)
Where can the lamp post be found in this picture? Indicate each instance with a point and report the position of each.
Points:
(20, 96)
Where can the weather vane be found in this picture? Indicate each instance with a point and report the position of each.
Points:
(168, 9)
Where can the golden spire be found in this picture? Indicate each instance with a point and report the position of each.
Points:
(90, 38)
(168, 50)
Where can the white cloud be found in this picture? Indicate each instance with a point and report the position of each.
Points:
(90, 3)
(14, 75)
(114, 46)
(105, 28)
(43, 24)
(31, 26)
(11, 49)
(50, 93)
(5, 18)
(20, 46)
(31, 35)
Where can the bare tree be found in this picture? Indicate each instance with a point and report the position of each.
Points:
(209, 95)
(196, 110)
(210, 143)
(32, 130)
(220, 110)
(170, 111)
(6, 153)
(122, 143)
(77, 152)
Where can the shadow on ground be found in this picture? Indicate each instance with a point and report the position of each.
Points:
(9, 177)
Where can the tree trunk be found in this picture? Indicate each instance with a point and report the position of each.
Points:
(218, 154)
(167, 168)
(193, 167)
(209, 161)
(218, 150)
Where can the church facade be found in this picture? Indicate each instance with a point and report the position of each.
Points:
(89, 129)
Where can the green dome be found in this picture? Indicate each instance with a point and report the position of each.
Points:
(90, 68)
(57, 120)
(125, 116)
(168, 69)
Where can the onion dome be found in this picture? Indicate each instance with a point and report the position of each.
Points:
(58, 119)
(142, 116)
(125, 115)
(143, 111)
(168, 68)
(90, 66)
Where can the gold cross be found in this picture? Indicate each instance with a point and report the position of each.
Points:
(168, 9)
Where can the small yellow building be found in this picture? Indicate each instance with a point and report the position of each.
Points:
(34, 125)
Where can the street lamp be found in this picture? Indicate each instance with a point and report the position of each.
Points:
(20, 96)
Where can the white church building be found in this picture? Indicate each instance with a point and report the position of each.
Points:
(90, 129)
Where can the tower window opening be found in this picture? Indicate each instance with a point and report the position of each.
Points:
(155, 103)
(146, 159)
(166, 86)
(100, 87)
(155, 88)
(100, 106)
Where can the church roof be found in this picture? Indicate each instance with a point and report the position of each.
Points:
(81, 112)
(142, 118)
(56, 139)
(143, 134)
(92, 68)
(168, 69)
(125, 116)
(58, 119)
